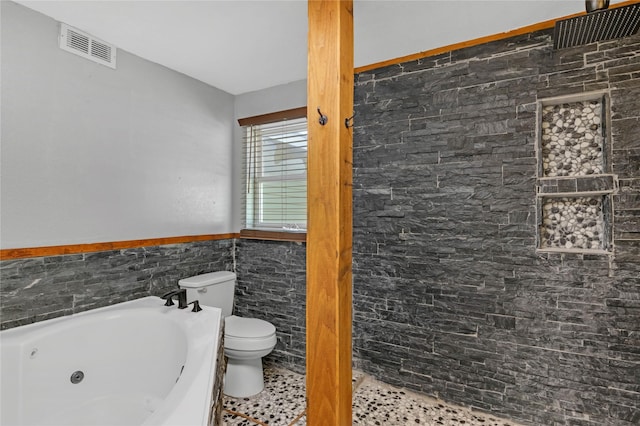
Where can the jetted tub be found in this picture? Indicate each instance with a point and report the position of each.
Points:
(134, 363)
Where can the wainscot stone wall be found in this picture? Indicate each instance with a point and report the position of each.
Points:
(451, 296)
(40, 288)
(272, 286)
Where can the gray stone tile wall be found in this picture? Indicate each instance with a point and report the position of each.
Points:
(36, 289)
(272, 286)
(451, 297)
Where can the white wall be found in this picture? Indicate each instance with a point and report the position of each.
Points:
(274, 99)
(92, 154)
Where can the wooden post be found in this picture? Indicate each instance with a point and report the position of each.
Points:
(329, 233)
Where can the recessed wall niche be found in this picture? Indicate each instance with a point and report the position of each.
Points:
(574, 223)
(572, 138)
(574, 174)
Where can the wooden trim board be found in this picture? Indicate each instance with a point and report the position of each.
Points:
(288, 114)
(257, 234)
(22, 253)
(478, 41)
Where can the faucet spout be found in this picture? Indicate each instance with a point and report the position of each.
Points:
(182, 298)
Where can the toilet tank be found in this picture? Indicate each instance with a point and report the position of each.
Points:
(212, 289)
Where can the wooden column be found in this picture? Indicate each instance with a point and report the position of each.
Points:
(329, 239)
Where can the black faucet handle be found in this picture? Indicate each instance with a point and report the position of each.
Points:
(169, 298)
(196, 306)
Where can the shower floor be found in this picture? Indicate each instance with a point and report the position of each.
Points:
(281, 403)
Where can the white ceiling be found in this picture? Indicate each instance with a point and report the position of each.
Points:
(242, 46)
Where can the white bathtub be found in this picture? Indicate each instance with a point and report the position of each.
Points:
(143, 364)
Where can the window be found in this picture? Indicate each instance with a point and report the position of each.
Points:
(274, 169)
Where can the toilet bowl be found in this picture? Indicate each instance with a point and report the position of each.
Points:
(246, 340)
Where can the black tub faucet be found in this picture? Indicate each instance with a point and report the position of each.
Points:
(182, 298)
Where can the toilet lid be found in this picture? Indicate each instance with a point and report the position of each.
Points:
(247, 327)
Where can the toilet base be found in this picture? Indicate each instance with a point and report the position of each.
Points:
(244, 377)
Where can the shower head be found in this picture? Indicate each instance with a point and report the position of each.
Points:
(593, 5)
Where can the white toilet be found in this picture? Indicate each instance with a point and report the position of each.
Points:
(246, 340)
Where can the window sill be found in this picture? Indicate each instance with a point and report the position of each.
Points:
(257, 234)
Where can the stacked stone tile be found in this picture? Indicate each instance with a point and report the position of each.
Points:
(272, 286)
(452, 296)
(40, 288)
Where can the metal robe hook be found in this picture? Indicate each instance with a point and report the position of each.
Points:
(348, 122)
(323, 118)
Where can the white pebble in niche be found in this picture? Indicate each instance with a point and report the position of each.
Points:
(572, 131)
(572, 223)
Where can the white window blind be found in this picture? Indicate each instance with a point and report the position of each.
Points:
(275, 175)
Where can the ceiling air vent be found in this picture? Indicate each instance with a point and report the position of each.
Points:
(75, 41)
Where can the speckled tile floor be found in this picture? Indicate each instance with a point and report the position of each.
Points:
(281, 403)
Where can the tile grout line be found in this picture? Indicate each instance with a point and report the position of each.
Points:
(244, 416)
(298, 417)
